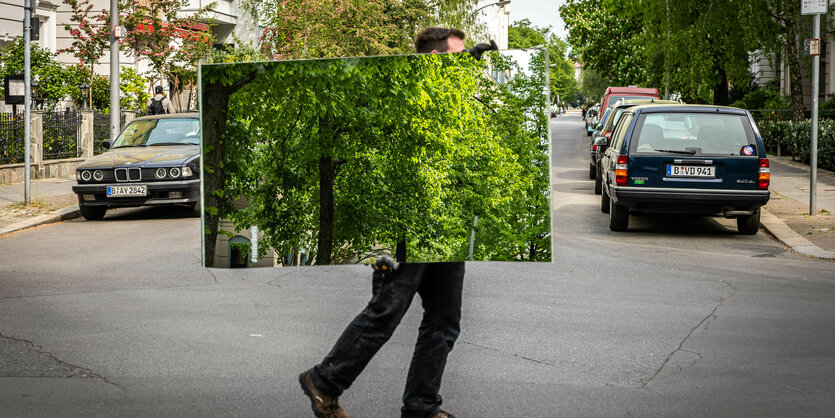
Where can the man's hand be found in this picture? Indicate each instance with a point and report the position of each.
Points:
(480, 49)
(385, 263)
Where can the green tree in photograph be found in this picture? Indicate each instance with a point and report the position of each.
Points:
(522, 35)
(349, 157)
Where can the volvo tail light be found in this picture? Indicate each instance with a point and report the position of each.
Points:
(620, 170)
(764, 178)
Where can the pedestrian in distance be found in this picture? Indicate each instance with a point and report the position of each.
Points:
(159, 104)
(394, 285)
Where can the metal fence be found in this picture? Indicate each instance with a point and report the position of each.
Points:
(101, 129)
(11, 138)
(60, 134)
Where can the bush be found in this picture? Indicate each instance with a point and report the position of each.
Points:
(795, 139)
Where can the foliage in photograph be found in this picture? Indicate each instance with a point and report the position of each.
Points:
(347, 159)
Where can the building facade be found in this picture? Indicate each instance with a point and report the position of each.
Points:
(231, 25)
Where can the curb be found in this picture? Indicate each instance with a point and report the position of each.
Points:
(786, 236)
(69, 212)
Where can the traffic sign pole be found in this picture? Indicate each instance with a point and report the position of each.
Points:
(813, 159)
(27, 85)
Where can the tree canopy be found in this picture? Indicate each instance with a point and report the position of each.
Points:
(346, 158)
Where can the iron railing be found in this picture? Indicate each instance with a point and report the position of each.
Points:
(101, 130)
(60, 134)
(11, 138)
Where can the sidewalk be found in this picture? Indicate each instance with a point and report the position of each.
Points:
(51, 200)
(786, 217)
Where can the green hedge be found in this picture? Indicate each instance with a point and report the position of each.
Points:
(795, 138)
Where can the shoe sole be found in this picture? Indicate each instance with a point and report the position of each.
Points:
(309, 394)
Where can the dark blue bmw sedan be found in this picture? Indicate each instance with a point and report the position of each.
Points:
(685, 159)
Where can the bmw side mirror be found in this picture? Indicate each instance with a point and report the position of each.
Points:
(601, 141)
(105, 144)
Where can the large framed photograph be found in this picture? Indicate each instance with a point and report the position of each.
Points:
(425, 157)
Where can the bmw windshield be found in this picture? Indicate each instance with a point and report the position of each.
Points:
(160, 132)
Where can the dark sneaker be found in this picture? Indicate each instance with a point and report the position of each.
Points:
(443, 414)
(324, 406)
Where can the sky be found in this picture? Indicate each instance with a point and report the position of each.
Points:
(541, 13)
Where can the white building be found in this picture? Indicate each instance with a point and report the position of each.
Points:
(230, 24)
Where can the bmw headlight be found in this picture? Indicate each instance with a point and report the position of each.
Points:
(160, 173)
(98, 175)
(174, 172)
(86, 175)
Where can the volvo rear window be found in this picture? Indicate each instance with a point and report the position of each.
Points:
(692, 133)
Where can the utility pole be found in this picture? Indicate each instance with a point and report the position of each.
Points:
(115, 110)
(27, 98)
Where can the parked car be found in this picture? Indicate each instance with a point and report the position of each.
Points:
(685, 159)
(153, 161)
(613, 94)
(591, 118)
(596, 132)
(598, 147)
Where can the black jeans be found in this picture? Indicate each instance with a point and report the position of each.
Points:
(440, 286)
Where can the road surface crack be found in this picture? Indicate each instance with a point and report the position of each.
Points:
(505, 353)
(78, 371)
(704, 322)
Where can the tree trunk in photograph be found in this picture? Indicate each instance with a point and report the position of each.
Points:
(720, 91)
(400, 250)
(327, 173)
(215, 105)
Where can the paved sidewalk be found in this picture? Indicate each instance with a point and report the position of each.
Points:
(785, 217)
(51, 200)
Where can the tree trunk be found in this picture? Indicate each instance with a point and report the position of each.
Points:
(215, 105)
(400, 251)
(720, 91)
(325, 242)
(795, 80)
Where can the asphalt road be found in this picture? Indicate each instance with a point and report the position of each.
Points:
(674, 317)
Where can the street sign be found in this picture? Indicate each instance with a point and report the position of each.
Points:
(811, 47)
(34, 28)
(813, 7)
(15, 89)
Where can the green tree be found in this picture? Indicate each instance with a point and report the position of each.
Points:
(775, 27)
(607, 35)
(157, 32)
(91, 35)
(385, 151)
(54, 80)
(522, 35)
(705, 50)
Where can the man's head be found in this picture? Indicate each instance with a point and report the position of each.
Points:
(440, 40)
(158, 89)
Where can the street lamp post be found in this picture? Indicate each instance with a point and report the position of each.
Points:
(498, 3)
(85, 92)
(35, 94)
